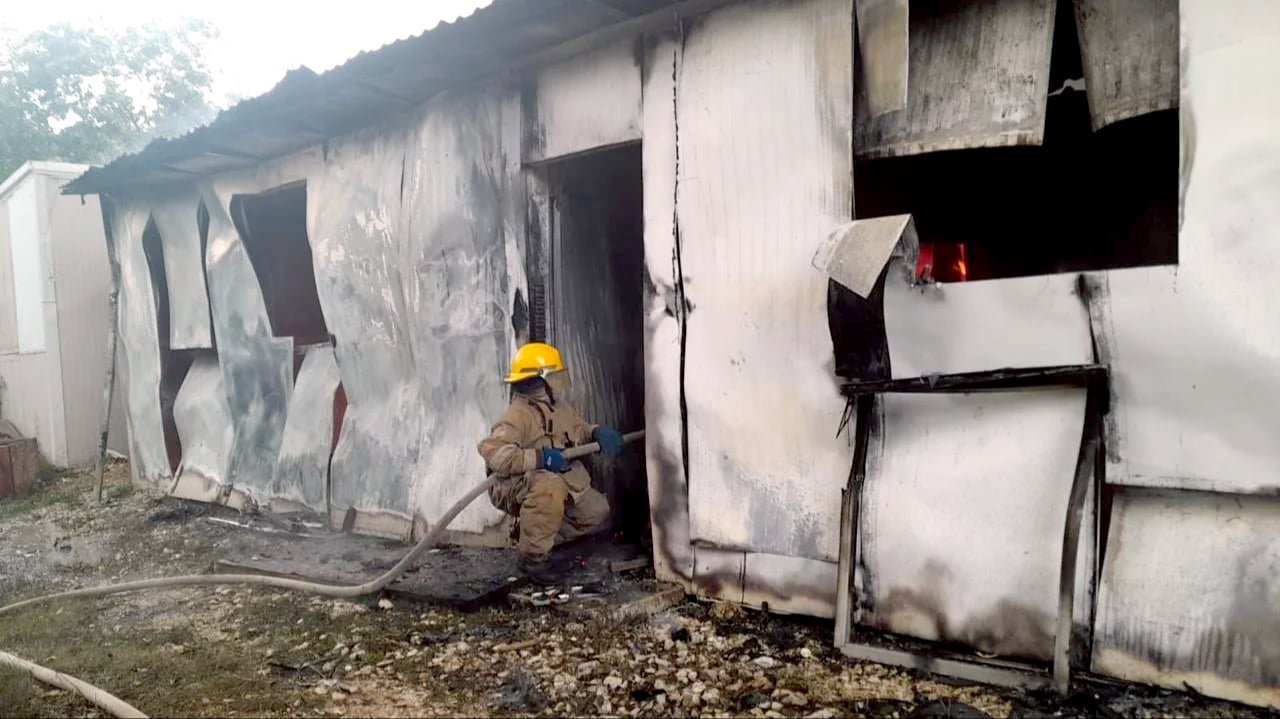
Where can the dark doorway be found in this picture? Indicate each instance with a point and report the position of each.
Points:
(273, 227)
(597, 308)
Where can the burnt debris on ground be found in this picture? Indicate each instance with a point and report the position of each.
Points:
(240, 651)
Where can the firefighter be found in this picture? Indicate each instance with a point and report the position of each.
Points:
(551, 497)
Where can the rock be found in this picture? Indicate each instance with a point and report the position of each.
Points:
(805, 653)
(385, 603)
(795, 700)
(613, 681)
(586, 668)
(765, 662)
(338, 696)
(321, 690)
(711, 696)
(822, 714)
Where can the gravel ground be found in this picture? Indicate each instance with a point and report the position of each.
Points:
(250, 652)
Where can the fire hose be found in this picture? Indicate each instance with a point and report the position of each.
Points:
(119, 708)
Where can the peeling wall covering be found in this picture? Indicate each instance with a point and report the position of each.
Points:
(749, 209)
(139, 345)
(175, 219)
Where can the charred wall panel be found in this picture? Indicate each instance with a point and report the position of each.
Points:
(962, 517)
(257, 368)
(764, 467)
(1189, 595)
(140, 345)
(301, 478)
(1129, 50)
(459, 268)
(978, 76)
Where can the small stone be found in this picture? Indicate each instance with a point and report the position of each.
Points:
(338, 696)
(765, 662)
(805, 653)
(321, 690)
(613, 681)
(795, 700)
(385, 603)
(711, 695)
(776, 706)
(822, 714)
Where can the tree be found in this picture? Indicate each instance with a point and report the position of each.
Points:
(85, 94)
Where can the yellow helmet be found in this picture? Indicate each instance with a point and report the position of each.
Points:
(534, 360)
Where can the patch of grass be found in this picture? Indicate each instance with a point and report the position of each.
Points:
(164, 671)
(46, 493)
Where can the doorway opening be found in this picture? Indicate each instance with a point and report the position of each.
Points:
(273, 227)
(597, 310)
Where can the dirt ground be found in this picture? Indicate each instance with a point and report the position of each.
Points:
(254, 652)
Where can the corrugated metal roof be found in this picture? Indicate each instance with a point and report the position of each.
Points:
(306, 108)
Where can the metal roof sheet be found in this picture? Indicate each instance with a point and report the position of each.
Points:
(305, 108)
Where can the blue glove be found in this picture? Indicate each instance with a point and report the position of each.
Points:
(610, 441)
(552, 460)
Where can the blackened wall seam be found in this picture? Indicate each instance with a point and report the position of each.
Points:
(664, 425)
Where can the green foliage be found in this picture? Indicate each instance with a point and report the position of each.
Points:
(88, 94)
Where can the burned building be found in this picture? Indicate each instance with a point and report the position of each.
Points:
(948, 320)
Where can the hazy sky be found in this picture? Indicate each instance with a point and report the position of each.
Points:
(260, 39)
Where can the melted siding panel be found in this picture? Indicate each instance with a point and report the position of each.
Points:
(458, 191)
(204, 423)
(257, 367)
(175, 218)
(765, 467)
(302, 469)
(353, 221)
(139, 346)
